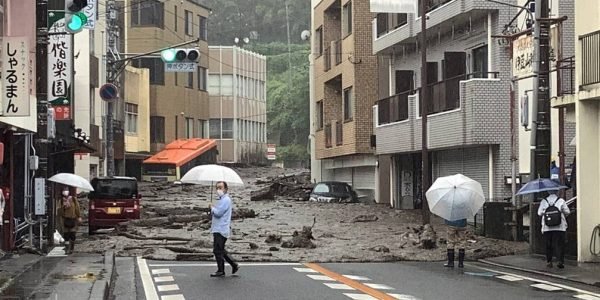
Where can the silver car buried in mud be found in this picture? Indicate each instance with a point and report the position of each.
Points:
(333, 192)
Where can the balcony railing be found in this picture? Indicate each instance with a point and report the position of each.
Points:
(445, 95)
(327, 58)
(338, 52)
(590, 58)
(328, 136)
(388, 22)
(566, 76)
(339, 133)
(432, 4)
(393, 109)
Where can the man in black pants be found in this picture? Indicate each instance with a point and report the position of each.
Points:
(220, 228)
(554, 235)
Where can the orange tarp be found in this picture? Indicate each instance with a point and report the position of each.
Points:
(182, 151)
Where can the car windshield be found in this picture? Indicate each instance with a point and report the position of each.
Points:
(321, 188)
(331, 188)
(114, 189)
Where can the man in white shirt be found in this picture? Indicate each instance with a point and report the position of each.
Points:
(554, 235)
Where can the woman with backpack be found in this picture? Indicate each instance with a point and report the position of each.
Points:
(554, 211)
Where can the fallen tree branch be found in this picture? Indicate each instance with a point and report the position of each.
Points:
(158, 238)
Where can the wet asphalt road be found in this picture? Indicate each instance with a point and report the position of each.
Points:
(190, 280)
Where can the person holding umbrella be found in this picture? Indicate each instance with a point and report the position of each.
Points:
(554, 211)
(220, 229)
(70, 212)
(456, 239)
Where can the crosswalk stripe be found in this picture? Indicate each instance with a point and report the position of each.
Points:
(360, 296)
(509, 278)
(339, 286)
(586, 297)
(379, 286)
(172, 297)
(404, 297)
(305, 270)
(160, 271)
(167, 288)
(359, 278)
(321, 277)
(164, 279)
(546, 287)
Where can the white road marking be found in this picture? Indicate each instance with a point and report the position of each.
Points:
(168, 288)
(57, 252)
(378, 286)
(172, 297)
(305, 270)
(321, 277)
(149, 289)
(403, 297)
(160, 271)
(339, 286)
(566, 287)
(360, 296)
(586, 297)
(359, 278)
(163, 279)
(509, 278)
(546, 287)
(214, 264)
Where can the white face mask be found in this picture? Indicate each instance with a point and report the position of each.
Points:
(220, 193)
(65, 193)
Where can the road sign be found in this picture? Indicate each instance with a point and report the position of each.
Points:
(109, 92)
(181, 67)
(271, 152)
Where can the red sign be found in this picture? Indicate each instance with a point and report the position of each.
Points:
(62, 112)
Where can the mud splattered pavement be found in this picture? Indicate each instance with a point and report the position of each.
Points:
(175, 226)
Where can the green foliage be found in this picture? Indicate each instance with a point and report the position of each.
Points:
(292, 153)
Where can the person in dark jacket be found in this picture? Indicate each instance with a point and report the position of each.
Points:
(456, 239)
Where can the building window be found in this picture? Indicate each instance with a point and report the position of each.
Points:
(156, 67)
(480, 62)
(176, 18)
(347, 22)
(147, 13)
(227, 128)
(189, 23)
(203, 30)
(348, 104)
(157, 129)
(92, 106)
(202, 78)
(131, 112)
(319, 41)
(190, 81)
(220, 85)
(215, 128)
(176, 76)
(227, 85)
(214, 84)
(320, 114)
(189, 128)
(200, 132)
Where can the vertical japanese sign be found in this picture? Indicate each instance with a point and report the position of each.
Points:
(522, 64)
(90, 12)
(15, 76)
(60, 60)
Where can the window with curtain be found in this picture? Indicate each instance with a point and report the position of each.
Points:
(147, 13)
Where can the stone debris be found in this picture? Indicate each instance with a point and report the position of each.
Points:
(302, 239)
(365, 218)
(297, 187)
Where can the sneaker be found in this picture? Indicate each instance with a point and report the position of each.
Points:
(549, 265)
(217, 274)
(235, 268)
(561, 266)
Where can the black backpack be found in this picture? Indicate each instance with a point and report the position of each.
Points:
(552, 215)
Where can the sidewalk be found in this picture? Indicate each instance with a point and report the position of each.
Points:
(78, 276)
(585, 273)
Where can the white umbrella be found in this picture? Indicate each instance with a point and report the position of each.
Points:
(210, 174)
(455, 197)
(72, 180)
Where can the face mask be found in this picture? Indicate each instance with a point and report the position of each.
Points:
(220, 193)
(65, 193)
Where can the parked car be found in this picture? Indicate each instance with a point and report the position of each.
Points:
(114, 200)
(333, 192)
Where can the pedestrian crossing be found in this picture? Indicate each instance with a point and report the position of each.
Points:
(165, 285)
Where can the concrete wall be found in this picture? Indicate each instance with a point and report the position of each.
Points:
(137, 92)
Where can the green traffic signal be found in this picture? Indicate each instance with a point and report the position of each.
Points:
(168, 55)
(76, 22)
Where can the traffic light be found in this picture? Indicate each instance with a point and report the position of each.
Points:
(75, 18)
(190, 55)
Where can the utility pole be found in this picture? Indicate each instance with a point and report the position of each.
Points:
(540, 125)
(112, 54)
(425, 172)
(287, 19)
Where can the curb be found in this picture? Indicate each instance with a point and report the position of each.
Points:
(535, 272)
(101, 288)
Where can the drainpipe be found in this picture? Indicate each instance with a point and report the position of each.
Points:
(513, 163)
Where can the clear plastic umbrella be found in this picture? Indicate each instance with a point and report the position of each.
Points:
(72, 180)
(211, 174)
(455, 197)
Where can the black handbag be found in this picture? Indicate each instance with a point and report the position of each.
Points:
(70, 222)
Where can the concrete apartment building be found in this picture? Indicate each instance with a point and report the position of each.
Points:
(179, 105)
(468, 81)
(238, 104)
(136, 95)
(582, 106)
(343, 91)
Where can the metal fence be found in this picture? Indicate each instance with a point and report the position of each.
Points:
(590, 58)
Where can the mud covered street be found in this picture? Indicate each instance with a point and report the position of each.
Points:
(175, 226)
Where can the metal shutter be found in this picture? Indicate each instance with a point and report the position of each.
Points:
(471, 162)
(364, 178)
